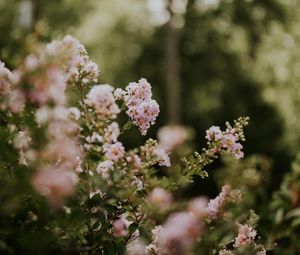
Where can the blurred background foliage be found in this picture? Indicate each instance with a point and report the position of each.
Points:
(208, 60)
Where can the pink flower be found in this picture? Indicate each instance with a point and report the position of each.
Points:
(95, 137)
(22, 140)
(104, 167)
(48, 86)
(141, 108)
(10, 97)
(199, 207)
(215, 206)
(161, 198)
(114, 151)
(4, 79)
(55, 184)
(112, 132)
(120, 227)
(138, 183)
(16, 101)
(31, 62)
(162, 155)
(246, 235)
(74, 113)
(136, 247)
(170, 137)
(101, 98)
(65, 156)
(72, 54)
(118, 93)
(214, 133)
(230, 142)
(137, 162)
(144, 114)
(179, 233)
(138, 92)
(227, 140)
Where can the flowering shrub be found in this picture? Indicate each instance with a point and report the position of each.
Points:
(79, 190)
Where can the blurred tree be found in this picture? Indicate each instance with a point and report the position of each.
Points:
(218, 48)
(212, 48)
(172, 67)
(24, 21)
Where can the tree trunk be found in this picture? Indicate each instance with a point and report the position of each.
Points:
(172, 71)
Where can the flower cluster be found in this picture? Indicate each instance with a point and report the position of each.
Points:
(45, 73)
(101, 98)
(227, 140)
(5, 84)
(114, 151)
(55, 184)
(218, 142)
(216, 205)
(177, 235)
(10, 98)
(58, 178)
(79, 67)
(160, 197)
(153, 153)
(245, 242)
(41, 79)
(141, 108)
(246, 235)
(120, 227)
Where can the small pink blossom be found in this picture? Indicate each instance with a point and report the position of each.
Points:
(246, 235)
(95, 137)
(4, 80)
(179, 233)
(66, 156)
(112, 132)
(114, 151)
(161, 198)
(101, 98)
(22, 140)
(215, 206)
(55, 184)
(214, 133)
(16, 100)
(42, 115)
(104, 167)
(199, 207)
(138, 183)
(118, 93)
(74, 113)
(79, 68)
(162, 155)
(137, 162)
(48, 86)
(170, 137)
(227, 140)
(31, 62)
(120, 227)
(136, 247)
(144, 114)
